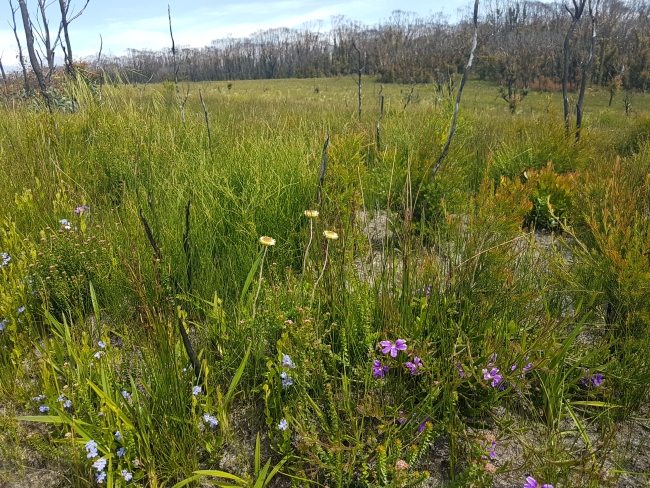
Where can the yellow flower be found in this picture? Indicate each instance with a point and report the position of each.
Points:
(331, 235)
(311, 214)
(267, 241)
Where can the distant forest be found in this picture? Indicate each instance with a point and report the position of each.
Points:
(520, 45)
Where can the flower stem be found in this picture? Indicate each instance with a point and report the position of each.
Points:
(311, 236)
(327, 247)
(259, 282)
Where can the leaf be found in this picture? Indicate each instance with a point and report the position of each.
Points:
(249, 279)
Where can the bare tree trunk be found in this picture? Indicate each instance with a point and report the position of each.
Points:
(181, 104)
(359, 71)
(21, 58)
(99, 67)
(46, 40)
(460, 92)
(578, 7)
(593, 14)
(29, 36)
(2, 69)
(65, 22)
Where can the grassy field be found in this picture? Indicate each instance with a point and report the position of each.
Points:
(435, 341)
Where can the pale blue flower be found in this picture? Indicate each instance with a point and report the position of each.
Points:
(91, 449)
(100, 464)
(126, 475)
(210, 420)
(283, 425)
(98, 354)
(287, 381)
(21, 309)
(101, 344)
(61, 398)
(287, 362)
(67, 404)
(43, 408)
(5, 259)
(100, 477)
(120, 452)
(196, 390)
(126, 395)
(3, 323)
(118, 435)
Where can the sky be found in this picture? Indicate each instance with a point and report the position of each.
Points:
(143, 24)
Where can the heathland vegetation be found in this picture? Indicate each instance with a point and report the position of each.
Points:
(258, 282)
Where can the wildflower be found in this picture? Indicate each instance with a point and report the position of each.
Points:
(493, 375)
(287, 362)
(98, 354)
(415, 365)
(39, 398)
(490, 468)
(100, 477)
(311, 214)
(378, 370)
(126, 475)
(120, 452)
(91, 449)
(82, 209)
(67, 404)
(5, 259)
(401, 418)
(65, 224)
(491, 450)
(597, 380)
(461, 372)
(21, 309)
(392, 348)
(101, 344)
(331, 235)
(401, 465)
(513, 367)
(196, 390)
(118, 435)
(43, 408)
(61, 398)
(283, 425)
(267, 241)
(532, 483)
(286, 380)
(210, 420)
(126, 395)
(100, 464)
(136, 463)
(3, 323)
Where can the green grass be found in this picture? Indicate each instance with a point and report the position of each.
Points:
(456, 276)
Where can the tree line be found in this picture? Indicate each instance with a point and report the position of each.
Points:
(520, 46)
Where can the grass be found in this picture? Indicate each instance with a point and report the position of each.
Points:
(510, 334)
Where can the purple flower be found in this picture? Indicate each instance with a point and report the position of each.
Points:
(461, 372)
(491, 450)
(532, 483)
(493, 375)
(120, 452)
(378, 370)
(82, 209)
(391, 348)
(415, 365)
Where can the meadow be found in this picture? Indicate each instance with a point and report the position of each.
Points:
(172, 314)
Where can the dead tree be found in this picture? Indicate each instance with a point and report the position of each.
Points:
(359, 70)
(44, 34)
(2, 69)
(100, 71)
(21, 58)
(460, 93)
(576, 14)
(33, 58)
(593, 15)
(65, 22)
(181, 104)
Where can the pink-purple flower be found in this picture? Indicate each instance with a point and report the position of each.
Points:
(378, 370)
(393, 348)
(82, 209)
(415, 365)
(532, 483)
(492, 375)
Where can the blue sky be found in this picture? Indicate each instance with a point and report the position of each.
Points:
(143, 24)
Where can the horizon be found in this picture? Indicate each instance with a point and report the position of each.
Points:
(145, 26)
